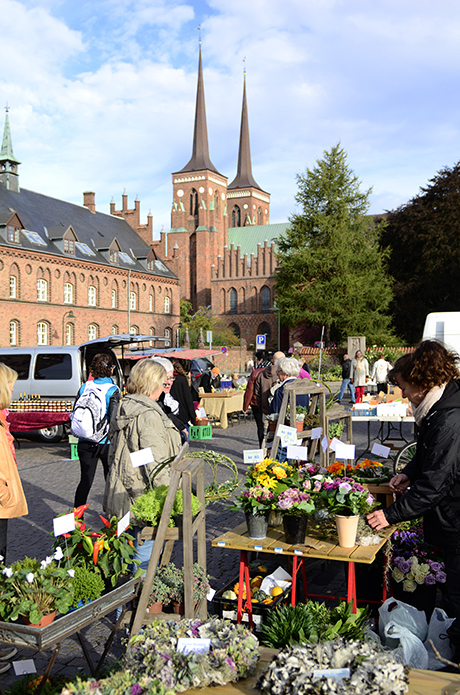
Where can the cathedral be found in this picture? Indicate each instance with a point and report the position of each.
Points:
(221, 244)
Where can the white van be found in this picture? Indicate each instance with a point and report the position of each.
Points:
(58, 372)
(444, 326)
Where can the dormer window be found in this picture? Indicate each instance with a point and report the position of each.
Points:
(69, 246)
(13, 235)
(114, 256)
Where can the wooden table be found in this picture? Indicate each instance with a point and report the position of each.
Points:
(314, 547)
(220, 404)
(392, 424)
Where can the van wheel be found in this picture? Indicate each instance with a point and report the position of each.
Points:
(50, 435)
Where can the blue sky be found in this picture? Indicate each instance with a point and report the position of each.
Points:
(102, 93)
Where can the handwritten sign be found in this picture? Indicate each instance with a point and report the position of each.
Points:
(142, 457)
(64, 524)
(190, 645)
(297, 453)
(288, 435)
(253, 455)
(123, 524)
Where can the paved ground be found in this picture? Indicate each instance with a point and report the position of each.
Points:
(50, 480)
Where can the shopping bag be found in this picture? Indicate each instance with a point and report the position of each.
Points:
(400, 613)
(411, 650)
(437, 633)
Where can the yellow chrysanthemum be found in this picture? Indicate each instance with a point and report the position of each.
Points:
(266, 481)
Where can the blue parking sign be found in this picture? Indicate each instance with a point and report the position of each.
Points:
(260, 342)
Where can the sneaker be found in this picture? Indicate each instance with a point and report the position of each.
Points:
(4, 668)
(6, 654)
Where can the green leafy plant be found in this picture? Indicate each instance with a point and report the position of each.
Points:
(312, 623)
(335, 429)
(88, 586)
(170, 582)
(147, 508)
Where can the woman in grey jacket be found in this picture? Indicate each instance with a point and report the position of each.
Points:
(140, 424)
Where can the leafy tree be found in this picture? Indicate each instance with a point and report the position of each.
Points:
(333, 270)
(203, 318)
(422, 238)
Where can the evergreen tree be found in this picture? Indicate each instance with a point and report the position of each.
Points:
(333, 270)
(422, 237)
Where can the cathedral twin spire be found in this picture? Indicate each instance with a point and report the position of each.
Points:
(200, 153)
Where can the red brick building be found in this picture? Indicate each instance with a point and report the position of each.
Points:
(220, 244)
(69, 273)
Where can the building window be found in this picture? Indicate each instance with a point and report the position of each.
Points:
(259, 215)
(167, 305)
(13, 287)
(168, 337)
(152, 332)
(151, 302)
(69, 247)
(69, 334)
(114, 299)
(264, 329)
(114, 329)
(113, 256)
(236, 217)
(232, 301)
(92, 295)
(42, 333)
(42, 294)
(216, 203)
(68, 296)
(92, 331)
(265, 298)
(236, 329)
(134, 330)
(132, 301)
(14, 333)
(14, 235)
(193, 203)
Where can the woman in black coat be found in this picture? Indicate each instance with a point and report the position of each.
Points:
(180, 390)
(429, 378)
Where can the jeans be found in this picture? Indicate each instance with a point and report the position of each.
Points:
(343, 388)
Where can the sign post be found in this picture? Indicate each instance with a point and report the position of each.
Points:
(260, 342)
(209, 338)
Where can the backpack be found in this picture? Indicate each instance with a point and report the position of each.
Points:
(89, 417)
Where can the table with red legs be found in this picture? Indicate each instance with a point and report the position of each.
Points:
(315, 547)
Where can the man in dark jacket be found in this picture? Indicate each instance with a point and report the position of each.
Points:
(346, 376)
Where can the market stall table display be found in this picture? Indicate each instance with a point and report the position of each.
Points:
(388, 426)
(219, 404)
(315, 547)
(36, 420)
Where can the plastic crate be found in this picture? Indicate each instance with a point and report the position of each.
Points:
(364, 413)
(227, 607)
(203, 432)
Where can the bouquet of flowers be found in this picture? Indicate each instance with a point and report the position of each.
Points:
(346, 497)
(255, 500)
(367, 470)
(414, 562)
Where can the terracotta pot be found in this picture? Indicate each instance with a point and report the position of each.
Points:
(347, 528)
(178, 608)
(272, 426)
(46, 620)
(257, 526)
(299, 425)
(295, 528)
(156, 607)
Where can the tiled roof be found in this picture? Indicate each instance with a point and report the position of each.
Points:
(248, 237)
(41, 213)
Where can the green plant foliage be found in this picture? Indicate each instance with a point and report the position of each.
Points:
(147, 508)
(204, 320)
(312, 623)
(88, 585)
(333, 271)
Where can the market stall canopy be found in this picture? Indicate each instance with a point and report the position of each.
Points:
(175, 353)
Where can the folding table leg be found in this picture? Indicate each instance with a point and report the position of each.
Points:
(45, 676)
(243, 564)
(248, 595)
(351, 591)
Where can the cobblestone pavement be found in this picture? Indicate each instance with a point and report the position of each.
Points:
(50, 479)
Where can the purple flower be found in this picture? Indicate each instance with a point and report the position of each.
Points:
(430, 579)
(370, 499)
(136, 689)
(405, 566)
(317, 486)
(441, 577)
(307, 484)
(345, 486)
(435, 566)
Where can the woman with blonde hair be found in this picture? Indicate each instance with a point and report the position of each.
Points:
(359, 375)
(139, 424)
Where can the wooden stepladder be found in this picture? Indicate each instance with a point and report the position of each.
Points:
(183, 470)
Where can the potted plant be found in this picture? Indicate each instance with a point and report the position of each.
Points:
(256, 503)
(347, 499)
(148, 507)
(159, 594)
(272, 421)
(35, 590)
(300, 413)
(173, 578)
(88, 586)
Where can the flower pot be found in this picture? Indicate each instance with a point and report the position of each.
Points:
(156, 607)
(46, 620)
(347, 528)
(272, 426)
(299, 425)
(257, 525)
(178, 608)
(295, 528)
(275, 519)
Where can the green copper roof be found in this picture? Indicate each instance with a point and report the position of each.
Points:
(6, 153)
(248, 237)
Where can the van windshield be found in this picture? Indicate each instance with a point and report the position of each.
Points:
(57, 367)
(20, 363)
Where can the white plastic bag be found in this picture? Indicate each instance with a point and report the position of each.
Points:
(411, 650)
(400, 613)
(437, 633)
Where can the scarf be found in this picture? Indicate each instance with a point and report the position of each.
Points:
(432, 397)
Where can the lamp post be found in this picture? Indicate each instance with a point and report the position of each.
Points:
(69, 315)
(177, 326)
(276, 308)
